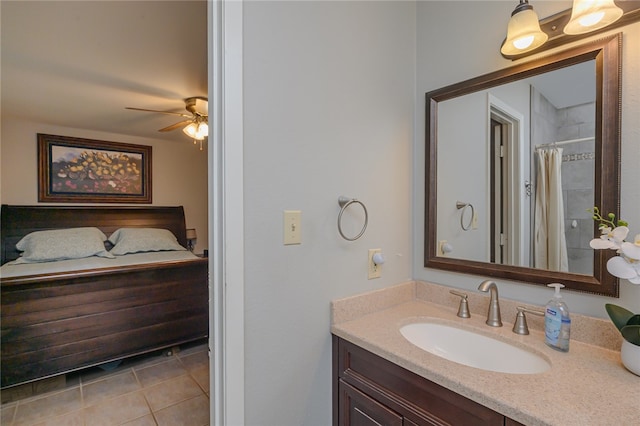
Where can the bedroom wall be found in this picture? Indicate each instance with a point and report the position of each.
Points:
(179, 169)
(328, 111)
(465, 55)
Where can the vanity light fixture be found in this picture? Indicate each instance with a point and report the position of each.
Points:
(523, 31)
(584, 19)
(591, 15)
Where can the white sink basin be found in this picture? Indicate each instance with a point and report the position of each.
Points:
(473, 349)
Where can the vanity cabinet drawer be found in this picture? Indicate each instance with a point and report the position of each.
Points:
(359, 409)
(415, 399)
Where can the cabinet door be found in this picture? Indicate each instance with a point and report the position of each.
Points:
(408, 396)
(360, 410)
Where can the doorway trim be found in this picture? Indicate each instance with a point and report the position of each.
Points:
(514, 141)
(226, 213)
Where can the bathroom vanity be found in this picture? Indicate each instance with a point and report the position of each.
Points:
(372, 391)
(379, 377)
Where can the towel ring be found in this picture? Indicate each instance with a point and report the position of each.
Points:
(463, 206)
(345, 202)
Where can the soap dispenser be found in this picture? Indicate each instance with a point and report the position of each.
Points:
(557, 323)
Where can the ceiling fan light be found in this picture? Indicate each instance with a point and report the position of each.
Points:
(191, 130)
(523, 31)
(591, 15)
(197, 131)
(202, 132)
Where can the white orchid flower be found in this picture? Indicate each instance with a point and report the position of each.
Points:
(628, 269)
(632, 250)
(610, 238)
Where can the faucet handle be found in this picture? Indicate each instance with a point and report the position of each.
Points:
(463, 309)
(520, 324)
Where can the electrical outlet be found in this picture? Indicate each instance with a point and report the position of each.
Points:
(292, 227)
(374, 271)
(441, 247)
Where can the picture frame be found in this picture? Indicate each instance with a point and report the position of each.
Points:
(75, 170)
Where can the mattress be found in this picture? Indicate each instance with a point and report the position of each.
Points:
(11, 270)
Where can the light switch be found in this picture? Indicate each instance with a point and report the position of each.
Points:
(292, 227)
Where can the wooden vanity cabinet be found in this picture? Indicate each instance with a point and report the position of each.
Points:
(369, 390)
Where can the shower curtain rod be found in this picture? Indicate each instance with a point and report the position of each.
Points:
(547, 145)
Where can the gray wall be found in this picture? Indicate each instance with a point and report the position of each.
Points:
(578, 167)
(329, 93)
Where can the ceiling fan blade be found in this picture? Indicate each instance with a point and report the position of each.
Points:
(161, 112)
(175, 126)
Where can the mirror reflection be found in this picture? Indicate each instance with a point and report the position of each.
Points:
(523, 166)
(515, 158)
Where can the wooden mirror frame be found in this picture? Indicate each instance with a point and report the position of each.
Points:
(607, 55)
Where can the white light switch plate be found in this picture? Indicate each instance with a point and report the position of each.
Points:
(292, 226)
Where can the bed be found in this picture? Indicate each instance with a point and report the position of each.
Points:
(63, 320)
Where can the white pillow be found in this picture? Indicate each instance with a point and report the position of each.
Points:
(61, 244)
(136, 240)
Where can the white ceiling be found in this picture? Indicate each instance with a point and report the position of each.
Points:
(80, 63)
(570, 86)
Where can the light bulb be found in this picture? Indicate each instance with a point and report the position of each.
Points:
(592, 19)
(591, 15)
(523, 42)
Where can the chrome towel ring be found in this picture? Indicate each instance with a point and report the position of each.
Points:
(345, 202)
(462, 205)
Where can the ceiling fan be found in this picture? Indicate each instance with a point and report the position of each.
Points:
(195, 125)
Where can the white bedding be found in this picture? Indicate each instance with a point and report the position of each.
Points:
(9, 269)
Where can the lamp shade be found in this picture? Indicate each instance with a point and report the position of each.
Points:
(191, 234)
(523, 31)
(197, 130)
(591, 15)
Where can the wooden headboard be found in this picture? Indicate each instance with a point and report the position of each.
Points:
(18, 221)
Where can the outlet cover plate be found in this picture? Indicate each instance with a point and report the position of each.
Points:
(374, 271)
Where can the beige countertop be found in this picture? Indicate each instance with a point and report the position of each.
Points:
(586, 386)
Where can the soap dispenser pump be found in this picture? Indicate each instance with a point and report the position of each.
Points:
(557, 323)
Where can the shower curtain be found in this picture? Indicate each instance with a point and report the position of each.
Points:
(550, 246)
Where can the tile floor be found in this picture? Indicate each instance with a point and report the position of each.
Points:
(151, 390)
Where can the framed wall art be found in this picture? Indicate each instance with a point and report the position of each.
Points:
(73, 170)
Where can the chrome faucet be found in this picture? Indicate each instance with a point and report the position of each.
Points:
(520, 324)
(463, 309)
(493, 316)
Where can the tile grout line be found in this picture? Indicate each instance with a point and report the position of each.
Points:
(144, 395)
(188, 374)
(15, 413)
(178, 403)
(82, 413)
(23, 402)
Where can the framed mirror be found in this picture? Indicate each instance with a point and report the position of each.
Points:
(514, 160)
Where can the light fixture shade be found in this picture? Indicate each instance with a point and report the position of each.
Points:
(197, 131)
(523, 32)
(203, 131)
(191, 234)
(591, 15)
